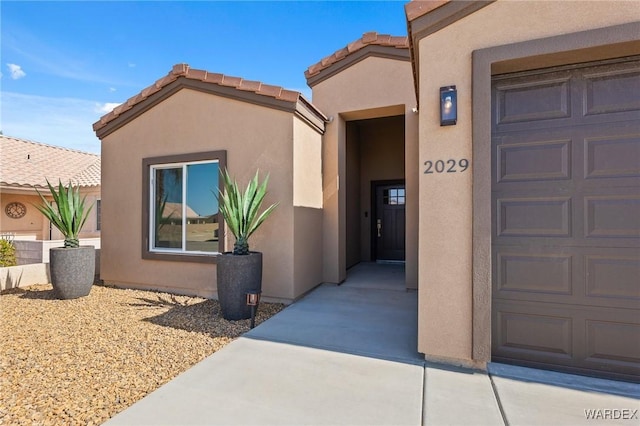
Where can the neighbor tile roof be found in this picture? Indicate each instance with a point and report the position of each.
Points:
(367, 39)
(27, 164)
(184, 70)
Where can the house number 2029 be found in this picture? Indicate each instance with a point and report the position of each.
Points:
(446, 166)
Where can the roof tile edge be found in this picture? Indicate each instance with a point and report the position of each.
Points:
(367, 39)
(417, 8)
(185, 71)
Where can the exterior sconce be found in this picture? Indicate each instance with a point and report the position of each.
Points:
(448, 105)
(253, 299)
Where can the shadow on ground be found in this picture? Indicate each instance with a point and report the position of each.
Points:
(44, 294)
(201, 317)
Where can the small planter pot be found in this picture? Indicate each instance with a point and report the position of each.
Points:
(72, 271)
(237, 276)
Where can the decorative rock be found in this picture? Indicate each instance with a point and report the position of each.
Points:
(81, 361)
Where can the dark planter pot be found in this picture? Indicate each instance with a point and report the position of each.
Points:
(237, 276)
(72, 271)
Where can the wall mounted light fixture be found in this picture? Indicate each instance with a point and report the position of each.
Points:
(448, 105)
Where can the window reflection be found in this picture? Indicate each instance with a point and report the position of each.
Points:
(185, 216)
(202, 207)
(168, 208)
(393, 196)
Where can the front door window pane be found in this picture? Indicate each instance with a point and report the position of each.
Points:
(394, 196)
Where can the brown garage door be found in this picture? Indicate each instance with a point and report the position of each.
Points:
(566, 218)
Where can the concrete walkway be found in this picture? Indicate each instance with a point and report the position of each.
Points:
(345, 355)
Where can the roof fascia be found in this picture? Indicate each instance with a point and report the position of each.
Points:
(201, 86)
(388, 52)
(30, 189)
(311, 115)
(441, 16)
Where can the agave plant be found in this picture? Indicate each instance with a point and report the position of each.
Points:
(240, 210)
(67, 212)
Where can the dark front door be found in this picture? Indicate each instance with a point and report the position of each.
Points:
(389, 225)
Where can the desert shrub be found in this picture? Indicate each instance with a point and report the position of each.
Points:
(7, 253)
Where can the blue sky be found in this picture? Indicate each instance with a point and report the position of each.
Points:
(65, 64)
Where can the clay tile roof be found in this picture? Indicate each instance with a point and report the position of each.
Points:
(418, 8)
(27, 164)
(185, 71)
(367, 39)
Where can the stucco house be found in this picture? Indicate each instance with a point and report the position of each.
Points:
(25, 167)
(495, 151)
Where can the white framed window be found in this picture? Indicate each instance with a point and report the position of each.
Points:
(182, 219)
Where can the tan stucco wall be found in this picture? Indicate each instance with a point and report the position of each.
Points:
(190, 122)
(307, 166)
(352, 182)
(307, 202)
(374, 87)
(446, 296)
(33, 225)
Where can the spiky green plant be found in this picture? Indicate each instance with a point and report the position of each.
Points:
(240, 210)
(67, 212)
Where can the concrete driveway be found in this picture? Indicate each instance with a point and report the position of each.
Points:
(345, 355)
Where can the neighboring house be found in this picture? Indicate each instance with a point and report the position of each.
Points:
(518, 221)
(25, 167)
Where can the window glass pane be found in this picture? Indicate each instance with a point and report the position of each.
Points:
(401, 192)
(393, 192)
(98, 215)
(400, 200)
(202, 207)
(168, 208)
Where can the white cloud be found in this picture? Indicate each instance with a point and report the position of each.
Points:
(112, 89)
(48, 59)
(106, 107)
(16, 71)
(55, 121)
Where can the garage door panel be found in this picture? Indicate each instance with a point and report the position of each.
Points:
(613, 277)
(585, 338)
(534, 161)
(524, 332)
(612, 343)
(612, 156)
(612, 216)
(580, 276)
(566, 219)
(611, 91)
(527, 100)
(534, 217)
(534, 273)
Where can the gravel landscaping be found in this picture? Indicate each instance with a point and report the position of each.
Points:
(82, 361)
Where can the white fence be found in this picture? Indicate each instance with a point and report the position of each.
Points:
(33, 262)
(37, 251)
